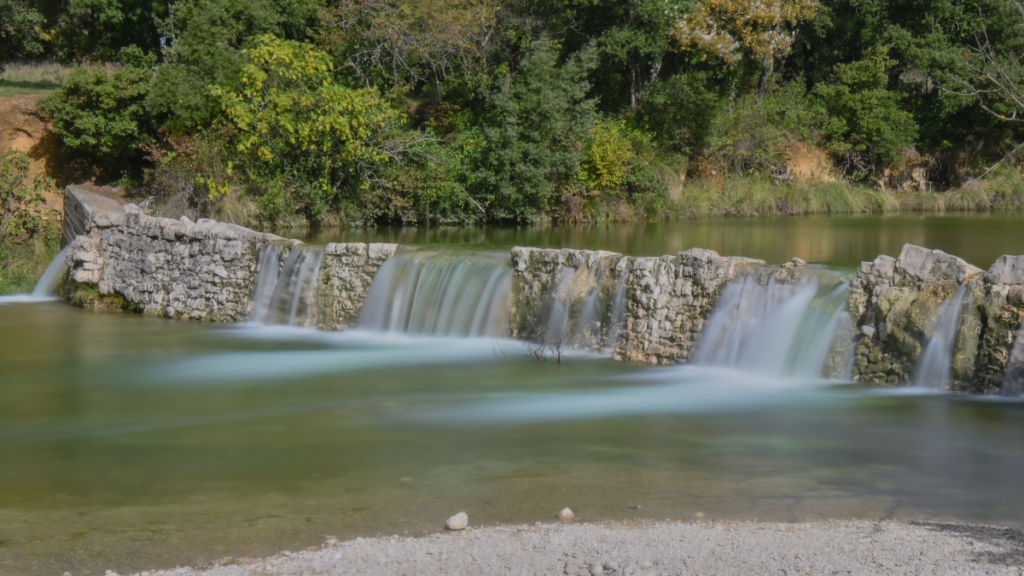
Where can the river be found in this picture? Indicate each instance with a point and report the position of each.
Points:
(129, 443)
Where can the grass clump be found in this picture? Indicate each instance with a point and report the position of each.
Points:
(22, 264)
(752, 196)
(32, 78)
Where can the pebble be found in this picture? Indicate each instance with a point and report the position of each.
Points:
(648, 549)
(566, 514)
(457, 522)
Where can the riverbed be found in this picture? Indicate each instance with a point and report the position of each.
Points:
(132, 443)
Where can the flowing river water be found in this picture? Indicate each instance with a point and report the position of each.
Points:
(129, 443)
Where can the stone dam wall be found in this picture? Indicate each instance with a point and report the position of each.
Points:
(641, 309)
(205, 270)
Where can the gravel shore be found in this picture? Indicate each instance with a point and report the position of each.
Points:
(655, 549)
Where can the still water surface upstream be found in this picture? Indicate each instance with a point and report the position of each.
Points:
(129, 443)
(842, 241)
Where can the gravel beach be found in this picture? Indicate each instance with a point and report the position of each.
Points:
(702, 547)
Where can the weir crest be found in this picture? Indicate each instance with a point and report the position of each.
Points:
(924, 316)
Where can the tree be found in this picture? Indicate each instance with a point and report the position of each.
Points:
(995, 73)
(867, 128)
(316, 137)
(100, 112)
(20, 26)
(98, 30)
(534, 133)
(204, 40)
(766, 28)
(395, 42)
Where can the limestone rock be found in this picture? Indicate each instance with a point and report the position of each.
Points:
(457, 522)
(894, 304)
(203, 270)
(665, 299)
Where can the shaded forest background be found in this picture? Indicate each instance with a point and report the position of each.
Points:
(354, 112)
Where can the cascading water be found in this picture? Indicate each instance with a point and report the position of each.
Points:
(47, 285)
(775, 328)
(934, 371)
(618, 317)
(292, 293)
(46, 288)
(427, 293)
(585, 306)
(266, 282)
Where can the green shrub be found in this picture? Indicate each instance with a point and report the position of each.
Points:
(100, 113)
(301, 134)
(609, 158)
(29, 237)
(533, 135)
(866, 127)
(204, 48)
(679, 112)
(20, 205)
(753, 135)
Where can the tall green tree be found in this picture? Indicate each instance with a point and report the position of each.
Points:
(20, 28)
(204, 41)
(534, 134)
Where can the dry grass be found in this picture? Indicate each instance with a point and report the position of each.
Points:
(757, 197)
(32, 78)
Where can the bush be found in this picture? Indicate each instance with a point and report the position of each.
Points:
(20, 205)
(29, 240)
(752, 135)
(678, 112)
(100, 113)
(533, 135)
(609, 158)
(204, 48)
(303, 135)
(190, 172)
(866, 127)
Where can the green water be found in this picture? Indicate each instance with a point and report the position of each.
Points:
(835, 240)
(129, 443)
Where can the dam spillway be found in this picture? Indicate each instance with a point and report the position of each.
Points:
(696, 306)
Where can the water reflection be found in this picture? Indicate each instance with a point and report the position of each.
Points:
(836, 240)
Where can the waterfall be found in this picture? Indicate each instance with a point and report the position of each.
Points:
(934, 371)
(289, 297)
(775, 328)
(429, 293)
(46, 287)
(266, 282)
(585, 306)
(618, 317)
(558, 318)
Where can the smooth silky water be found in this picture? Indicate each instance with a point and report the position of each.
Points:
(130, 443)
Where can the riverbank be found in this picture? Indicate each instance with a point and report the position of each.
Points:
(633, 549)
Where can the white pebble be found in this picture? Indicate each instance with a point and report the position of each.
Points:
(457, 522)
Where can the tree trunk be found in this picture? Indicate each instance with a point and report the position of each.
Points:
(766, 72)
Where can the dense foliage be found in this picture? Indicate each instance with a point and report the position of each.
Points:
(453, 111)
